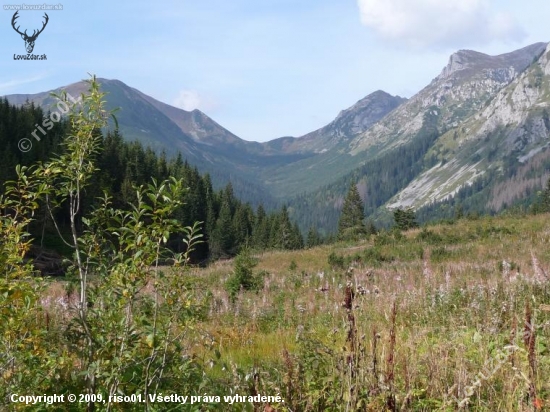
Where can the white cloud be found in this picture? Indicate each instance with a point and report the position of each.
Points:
(187, 100)
(439, 24)
(191, 99)
(11, 84)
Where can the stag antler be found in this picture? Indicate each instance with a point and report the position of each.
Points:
(15, 16)
(35, 35)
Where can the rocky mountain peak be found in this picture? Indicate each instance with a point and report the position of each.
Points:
(460, 60)
(502, 67)
(367, 111)
(349, 122)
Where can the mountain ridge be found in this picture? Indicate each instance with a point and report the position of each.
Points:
(515, 123)
(450, 130)
(351, 121)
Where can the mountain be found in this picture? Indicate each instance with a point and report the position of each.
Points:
(214, 149)
(326, 149)
(468, 81)
(137, 116)
(349, 122)
(423, 152)
(165, 128)
(460, 91)
(476, 134)
(509, 131)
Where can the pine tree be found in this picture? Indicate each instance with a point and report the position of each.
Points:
(162, 167)
(351, 225)
(283, 234)
(297, 240)
(260, 234)
(545, 201)
(211, 206)
(242, 225)
(223, 238)
(371, 228)
(313, 237)
(405, 219)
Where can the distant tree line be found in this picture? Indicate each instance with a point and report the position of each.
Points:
(228, 225)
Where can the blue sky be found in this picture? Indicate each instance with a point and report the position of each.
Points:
(264, 68)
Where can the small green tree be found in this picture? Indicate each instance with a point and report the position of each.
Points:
(243, 275)
(284, 234)
(546, 197)
(313, 237)
(261, 229)
(223, 237)
(542, 204)
(371, 228)
(351, 225)
(405, 219)
(22, 337)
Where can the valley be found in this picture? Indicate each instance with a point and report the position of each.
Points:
(484, 113)
(447, 316)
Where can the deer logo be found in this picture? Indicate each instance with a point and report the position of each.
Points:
(29, 40)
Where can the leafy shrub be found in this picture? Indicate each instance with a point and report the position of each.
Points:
(375, 256)
(392, 237)
(491, 231)
(336, 261)
(293, 266)
(439, 254)
(429, 236)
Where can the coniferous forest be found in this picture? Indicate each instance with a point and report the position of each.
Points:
(227, 224)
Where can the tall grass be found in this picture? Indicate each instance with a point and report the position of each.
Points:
(450, 317)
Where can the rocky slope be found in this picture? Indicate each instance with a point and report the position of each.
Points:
(511, 127)
(469, 80)
(349, 122)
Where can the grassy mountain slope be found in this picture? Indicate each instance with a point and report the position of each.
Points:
(140, 119)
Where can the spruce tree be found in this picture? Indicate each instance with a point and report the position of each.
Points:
(297, 240)
(405, 219)
(545, 201)
(281, 230)
(260, 233)
(351, 225)
(223, 238)
(313, 237)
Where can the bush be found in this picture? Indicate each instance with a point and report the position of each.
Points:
(405, 219)
(440, 254)
(374, 256)
(391, 237)
(336, 261)
(430, 237)
(293, 266)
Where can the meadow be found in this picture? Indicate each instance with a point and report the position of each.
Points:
(449, 317)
